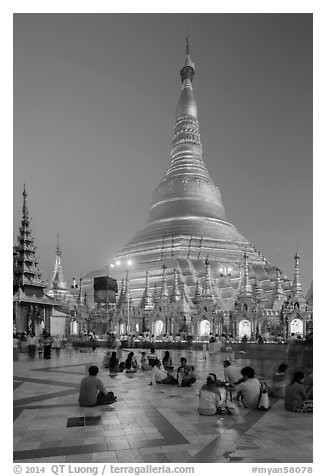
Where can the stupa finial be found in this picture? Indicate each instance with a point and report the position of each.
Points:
(58, 242)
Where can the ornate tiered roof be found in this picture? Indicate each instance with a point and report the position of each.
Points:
(26, 265)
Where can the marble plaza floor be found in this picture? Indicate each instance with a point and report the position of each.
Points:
(148, 424)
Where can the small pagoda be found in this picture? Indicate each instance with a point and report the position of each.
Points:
(32, 308)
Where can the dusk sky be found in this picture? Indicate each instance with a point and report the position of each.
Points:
(94, 111)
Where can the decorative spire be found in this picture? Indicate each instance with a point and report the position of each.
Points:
(156, 297)
(245, 289)
(208, 284)
(26, 270)
(25, 210)
(146, 302)
(175, 296)
(296, 290)
(164, 291)
(127, 296)
(184, 303)
(58, 245)
(257, 291)
(188, 69)
(80, 299)
(278, 291)
(58, 286)
(198, 295)
(123, 287)
(122, 293)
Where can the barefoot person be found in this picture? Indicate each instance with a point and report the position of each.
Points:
(92, 391)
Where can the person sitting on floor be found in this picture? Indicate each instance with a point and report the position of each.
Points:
(232, 375)
(296, 397)
(185, 374)
(167, 362)
(209, 397)
(114, 364)
(160, 375)
(106, 360)
(213, 398)
(144, 364)
(152, 357)
(308, 383)
(131, 364)
(249, 390)
(92, 391)
(225, 405)
(279, 382)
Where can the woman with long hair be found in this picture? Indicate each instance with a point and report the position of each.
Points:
(114, 365)
(167, 362)
(131, 364)
(209, 396)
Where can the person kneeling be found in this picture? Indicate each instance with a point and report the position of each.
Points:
(92, 391)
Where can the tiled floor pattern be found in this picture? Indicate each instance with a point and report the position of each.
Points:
(147, 424)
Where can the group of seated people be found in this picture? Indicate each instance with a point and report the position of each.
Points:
(215, 396)
(297, 393)
(161, 372)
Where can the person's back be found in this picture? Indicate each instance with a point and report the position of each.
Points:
(114, 363)
(89, 388)
(250, 391)
(232, 374)
(295, 396)
(208, 401)
(152, 357)
(209, 397)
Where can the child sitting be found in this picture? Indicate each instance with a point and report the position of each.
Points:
(144, 364)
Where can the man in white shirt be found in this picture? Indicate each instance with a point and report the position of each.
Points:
(232, 374)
